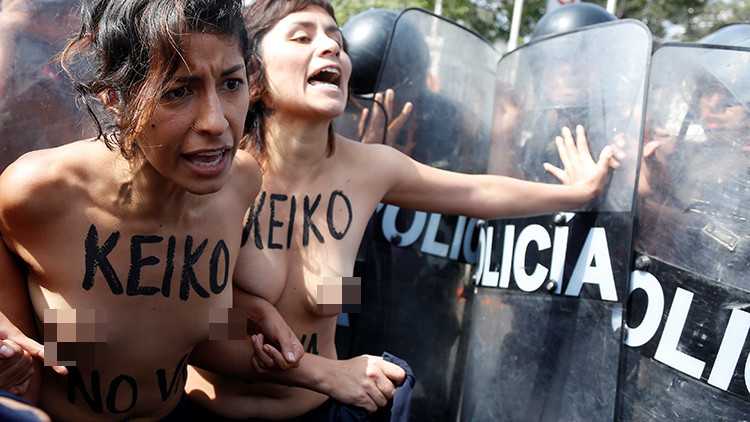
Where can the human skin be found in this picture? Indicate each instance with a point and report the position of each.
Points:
(151, 240)
(309, 220)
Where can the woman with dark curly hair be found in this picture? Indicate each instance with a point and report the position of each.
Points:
(130, 239)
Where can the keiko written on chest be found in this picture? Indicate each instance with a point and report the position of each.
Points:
(309, 208)
(193, 253)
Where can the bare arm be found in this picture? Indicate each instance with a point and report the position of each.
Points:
(250, 359)
(19, 371)
(424, 188)
(19, 205)
(365, 381)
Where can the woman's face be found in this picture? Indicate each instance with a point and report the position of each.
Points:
(306, 66)
(199, 121)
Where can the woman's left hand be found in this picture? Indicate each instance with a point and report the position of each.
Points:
(579, 167)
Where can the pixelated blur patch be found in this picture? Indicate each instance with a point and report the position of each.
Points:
(74, 336)
(227, 324)
(340, 294)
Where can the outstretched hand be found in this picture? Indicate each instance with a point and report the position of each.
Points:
(579, 167)
(374, 133)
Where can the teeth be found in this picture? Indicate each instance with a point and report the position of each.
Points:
(208, 154)
(331, 81)
(217, 154)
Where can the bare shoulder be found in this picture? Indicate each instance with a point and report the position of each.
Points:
(246, 177)
(41, 181)
(377, 158)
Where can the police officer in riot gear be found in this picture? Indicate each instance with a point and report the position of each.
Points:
(434, 117)
(563, 98)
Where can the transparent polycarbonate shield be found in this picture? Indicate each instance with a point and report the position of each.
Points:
(37, 101)
(593, 78)
(696, 185)
(687, 319)
(447, 73)
(545, 335)
(414, 265)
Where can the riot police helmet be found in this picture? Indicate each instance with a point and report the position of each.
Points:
(367, 36)
(569, 17)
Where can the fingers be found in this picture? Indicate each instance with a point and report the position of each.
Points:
(650, 148)
(379, 395)
(607, 158)
(560, 174)
(377, 112)
(291, 349)
(16, 367)
(22, 388)
(263, 358)
(395, 373)
(388, 376)
(36, 350)
(399, 121)
(374, 132)
(363, 120)
(565, 146)
(388, 102)
(581, 141)
(9, 349)
(270, 358)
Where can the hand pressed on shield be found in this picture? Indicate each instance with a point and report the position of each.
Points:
(579, 167)
(374, 133)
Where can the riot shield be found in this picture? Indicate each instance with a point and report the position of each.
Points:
(687, 317)
(545, 338)
(413, 264)
(37, 100)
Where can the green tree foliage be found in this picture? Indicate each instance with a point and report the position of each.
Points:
(658, 15)
(492, 18)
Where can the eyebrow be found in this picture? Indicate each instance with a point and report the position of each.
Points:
(333, 28)
(226, 72)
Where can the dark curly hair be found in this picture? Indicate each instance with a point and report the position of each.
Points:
(129, 50)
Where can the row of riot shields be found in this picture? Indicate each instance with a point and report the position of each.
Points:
(686, 354)
(632, 308)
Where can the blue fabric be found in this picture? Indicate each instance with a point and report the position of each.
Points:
(16, 415)
(401, 405)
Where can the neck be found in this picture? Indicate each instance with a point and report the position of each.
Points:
(296, 144)
(146, 193)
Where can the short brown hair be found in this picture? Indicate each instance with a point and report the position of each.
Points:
(261, 17)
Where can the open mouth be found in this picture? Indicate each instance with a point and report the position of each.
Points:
(206, 159)
(328, 76)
